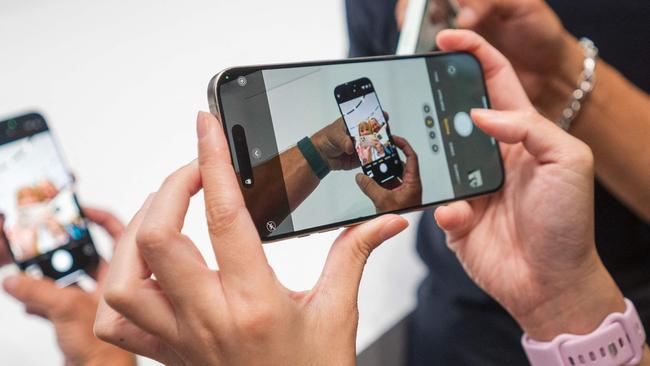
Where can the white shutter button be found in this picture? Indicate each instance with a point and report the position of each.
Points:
(61, 261)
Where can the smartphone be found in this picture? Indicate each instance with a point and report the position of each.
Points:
(41, 220)
(368, 128)
(276, 116)
(423, 20)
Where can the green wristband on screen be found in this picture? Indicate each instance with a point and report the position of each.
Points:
(315, 161)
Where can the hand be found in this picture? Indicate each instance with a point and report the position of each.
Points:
(240, 314)
(547, 59)
(335, 146)
(5, 255)
(72, 310)
(531, 245)
(407, 194)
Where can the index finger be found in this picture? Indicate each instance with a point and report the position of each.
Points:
(234, 239)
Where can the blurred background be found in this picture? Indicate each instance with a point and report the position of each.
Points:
(120, 84)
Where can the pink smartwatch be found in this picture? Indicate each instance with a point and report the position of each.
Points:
(619, 340)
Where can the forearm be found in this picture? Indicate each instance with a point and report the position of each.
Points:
(614, 122)
(110, 355)
(299, 179)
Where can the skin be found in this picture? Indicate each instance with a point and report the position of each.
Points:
(298, 179)
(531, 245)
(240, 314)
(71, 310)
(548, 60)
(407, 194)
(540, 261)
(5, 256)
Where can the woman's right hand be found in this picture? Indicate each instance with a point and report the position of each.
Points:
(531, 245)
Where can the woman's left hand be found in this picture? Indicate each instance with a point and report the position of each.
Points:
(240, 314)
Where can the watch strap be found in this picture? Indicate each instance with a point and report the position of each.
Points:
(618, 340)
(316, 162)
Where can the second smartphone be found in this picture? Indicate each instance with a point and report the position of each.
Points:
(314, 149)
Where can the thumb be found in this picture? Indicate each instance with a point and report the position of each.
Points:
(33, 292)
(340, 138)
(349, 253)
(369, 187)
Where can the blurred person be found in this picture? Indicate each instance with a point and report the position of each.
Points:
(537, 39)
(530, 245)
(70, 310)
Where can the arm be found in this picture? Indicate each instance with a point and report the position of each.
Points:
(279, 196)
(531, 246)
(615, 123)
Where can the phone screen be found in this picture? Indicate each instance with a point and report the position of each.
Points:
(367, 126)
(39, 214)
(408, 120)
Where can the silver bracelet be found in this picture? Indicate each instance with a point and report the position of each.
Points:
(585, 84)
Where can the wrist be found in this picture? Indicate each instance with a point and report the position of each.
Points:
(111, 355)
(577, 309)
(560, 84)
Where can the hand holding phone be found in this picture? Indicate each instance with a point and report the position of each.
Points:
(43, 227)
(71, 310)
(186, 306)
(408, 193)
(335, 146)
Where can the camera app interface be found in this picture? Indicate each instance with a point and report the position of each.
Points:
(39, 215)
(393, 134)
(369, 131)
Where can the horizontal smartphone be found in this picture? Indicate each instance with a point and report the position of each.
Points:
(40, 219)
(321, 145)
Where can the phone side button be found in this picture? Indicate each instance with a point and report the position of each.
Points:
(303, 235)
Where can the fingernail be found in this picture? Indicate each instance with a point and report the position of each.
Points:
(202, 124)
(485, 113)
(11, 283)
(466, 18)
(393, 227)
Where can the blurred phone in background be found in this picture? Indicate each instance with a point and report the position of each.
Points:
(423, 21)
(40, 219)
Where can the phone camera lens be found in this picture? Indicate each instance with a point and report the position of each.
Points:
(241, 81)
(427, 108)
(432, 135)
(451, 70)
(435, 148)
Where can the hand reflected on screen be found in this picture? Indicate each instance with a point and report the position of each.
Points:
(335, 146)
(72, 310)
(407, 194)
(5, 256)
